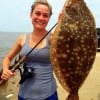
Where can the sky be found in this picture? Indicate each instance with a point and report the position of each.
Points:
(15, 14)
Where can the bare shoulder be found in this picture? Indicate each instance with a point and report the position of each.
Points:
(21, 39)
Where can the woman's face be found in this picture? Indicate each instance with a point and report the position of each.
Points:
(40, 16)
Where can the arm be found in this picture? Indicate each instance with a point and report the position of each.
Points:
(6, 74)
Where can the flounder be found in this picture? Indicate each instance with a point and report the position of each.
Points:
(73, 46)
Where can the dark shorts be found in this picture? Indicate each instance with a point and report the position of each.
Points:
(53, 97)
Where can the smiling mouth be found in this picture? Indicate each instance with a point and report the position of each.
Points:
(39, 22)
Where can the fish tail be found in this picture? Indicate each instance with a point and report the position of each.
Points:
(72, 96)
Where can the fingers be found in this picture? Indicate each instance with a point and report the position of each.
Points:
(60, 16)
(7, 74)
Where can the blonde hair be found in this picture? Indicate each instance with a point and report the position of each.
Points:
(43, 2)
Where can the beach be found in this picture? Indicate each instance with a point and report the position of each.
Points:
(90, 90)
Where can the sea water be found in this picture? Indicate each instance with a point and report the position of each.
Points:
(7, 40)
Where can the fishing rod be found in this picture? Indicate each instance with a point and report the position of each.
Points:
(16, 66)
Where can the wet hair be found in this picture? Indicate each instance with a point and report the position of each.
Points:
(43, 2)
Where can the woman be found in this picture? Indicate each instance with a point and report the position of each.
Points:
(41, 86)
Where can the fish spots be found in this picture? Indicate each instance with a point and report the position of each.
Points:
(73, 46)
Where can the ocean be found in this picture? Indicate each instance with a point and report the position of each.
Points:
(7, 40)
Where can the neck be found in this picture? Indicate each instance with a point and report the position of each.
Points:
(39, 32)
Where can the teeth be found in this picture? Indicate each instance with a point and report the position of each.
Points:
(40, 22)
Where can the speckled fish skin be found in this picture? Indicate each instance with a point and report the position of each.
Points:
(73, 46)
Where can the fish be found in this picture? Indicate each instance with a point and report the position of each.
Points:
(73, 46)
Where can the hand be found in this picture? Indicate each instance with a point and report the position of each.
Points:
(7, 74)
(60, 16)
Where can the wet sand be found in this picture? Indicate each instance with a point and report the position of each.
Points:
(90, 90)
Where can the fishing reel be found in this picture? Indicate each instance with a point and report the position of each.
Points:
(27, 73)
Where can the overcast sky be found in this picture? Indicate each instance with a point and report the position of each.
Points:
(14, 14)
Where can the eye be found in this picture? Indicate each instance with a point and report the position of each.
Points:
(46, 15)
(71, 11)
(37, 13)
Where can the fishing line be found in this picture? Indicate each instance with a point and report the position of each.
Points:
(40, 40)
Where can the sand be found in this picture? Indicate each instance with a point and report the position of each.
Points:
(90, 90)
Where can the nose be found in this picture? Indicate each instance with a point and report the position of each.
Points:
(41, 17)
